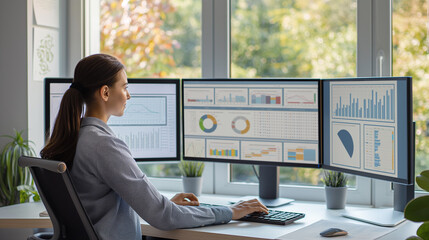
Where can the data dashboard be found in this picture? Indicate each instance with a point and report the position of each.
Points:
(252, 120)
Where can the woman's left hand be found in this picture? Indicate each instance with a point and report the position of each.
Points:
(185, 199)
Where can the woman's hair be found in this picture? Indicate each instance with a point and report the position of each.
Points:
(90, 74)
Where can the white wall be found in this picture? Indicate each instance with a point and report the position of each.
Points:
(36, 119)
(13, 67)
(13, 80)
(22, 98)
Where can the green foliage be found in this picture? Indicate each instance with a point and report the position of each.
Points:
(334, 179)
(191, 169)
(417, 210)
(410, 58)
(153, 38)
(26, 192)
(11, 175)
(305, 38)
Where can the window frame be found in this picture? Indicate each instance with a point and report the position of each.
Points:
(373, 40)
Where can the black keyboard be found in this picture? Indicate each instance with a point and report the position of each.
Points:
(273, 216)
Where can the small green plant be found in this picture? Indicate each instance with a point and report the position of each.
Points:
(417, 210)
(334, 179)
(191, 169)
(16, 184)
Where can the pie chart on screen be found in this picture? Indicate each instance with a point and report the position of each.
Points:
(347, 141)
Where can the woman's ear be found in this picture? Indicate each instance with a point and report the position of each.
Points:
(104, 93)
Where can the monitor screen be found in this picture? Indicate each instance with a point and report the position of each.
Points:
(150, 124)
(367, 127)
(254, 121)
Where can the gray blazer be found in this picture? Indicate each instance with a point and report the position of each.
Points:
(115, 192)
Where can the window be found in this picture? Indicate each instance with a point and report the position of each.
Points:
(239, 38)
(153, 39)
(280, 38)
(410, 58)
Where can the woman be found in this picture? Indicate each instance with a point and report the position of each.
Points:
(111, 186)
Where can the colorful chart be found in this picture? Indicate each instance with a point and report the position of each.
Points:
(301, 154)
(236, 122)
(264, 99)
(210, 118)
(224, 152)
(223, 148)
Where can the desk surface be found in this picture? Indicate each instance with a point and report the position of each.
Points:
(26, 215)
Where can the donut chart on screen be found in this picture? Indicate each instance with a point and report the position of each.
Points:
(211, 118)
(234, 125)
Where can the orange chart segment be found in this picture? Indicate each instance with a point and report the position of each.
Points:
(238, 123)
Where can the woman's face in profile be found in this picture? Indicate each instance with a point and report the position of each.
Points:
(119, 94)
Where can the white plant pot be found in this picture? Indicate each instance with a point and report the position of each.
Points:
(335, 197)
(192, 185)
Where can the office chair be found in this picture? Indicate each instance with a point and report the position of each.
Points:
(60, 198)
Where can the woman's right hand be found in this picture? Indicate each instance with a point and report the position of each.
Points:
(242, 208)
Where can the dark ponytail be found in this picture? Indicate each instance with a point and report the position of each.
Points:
(91, 73)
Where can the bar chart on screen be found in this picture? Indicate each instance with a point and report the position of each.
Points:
(231, 96)
(350, 101)
(272, 97)
(223, 149)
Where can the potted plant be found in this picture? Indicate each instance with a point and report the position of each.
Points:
(335, 189)
(417, 210)
(191, 176)
(16, 184)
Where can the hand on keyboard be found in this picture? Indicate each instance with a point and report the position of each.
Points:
(243, 208)
(272, 217)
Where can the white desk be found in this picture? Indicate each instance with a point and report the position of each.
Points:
(27, 216)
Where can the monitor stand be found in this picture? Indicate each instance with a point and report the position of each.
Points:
(402, 194)
(269, 187)
(387, 217)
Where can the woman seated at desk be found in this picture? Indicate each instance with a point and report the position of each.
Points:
(112, 188)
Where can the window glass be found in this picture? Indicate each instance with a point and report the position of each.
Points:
(153, 39)
(287, 38)
(410, 58)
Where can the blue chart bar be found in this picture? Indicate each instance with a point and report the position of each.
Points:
(376, 107)
(376, 149)
(237, 99)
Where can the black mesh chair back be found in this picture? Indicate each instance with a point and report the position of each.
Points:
(56, 189)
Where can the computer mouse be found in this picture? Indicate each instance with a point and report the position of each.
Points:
(333, 232)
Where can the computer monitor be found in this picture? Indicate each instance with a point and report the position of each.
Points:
(269, 122)
(252, 121)
(368, 131)
(367, 125)
(150, 124)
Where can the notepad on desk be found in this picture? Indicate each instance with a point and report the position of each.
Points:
(355, 231)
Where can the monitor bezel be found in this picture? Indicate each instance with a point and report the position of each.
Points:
(175, 81)
(232, 161)
(410, 132)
